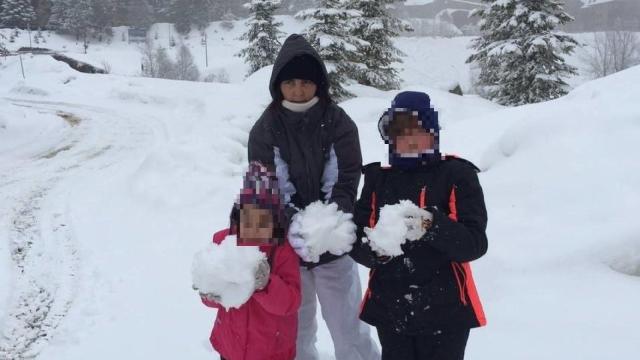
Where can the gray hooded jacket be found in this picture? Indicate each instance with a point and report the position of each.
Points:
(316, 153)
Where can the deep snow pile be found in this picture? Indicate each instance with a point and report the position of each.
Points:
(394, 227)
(227, 270)
(321, 228)
(560, 180)
(25, 133)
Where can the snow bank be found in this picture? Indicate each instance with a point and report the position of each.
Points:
(227, 270)
(24, 134)
(391, 231)
(323, 228)
(561, 185)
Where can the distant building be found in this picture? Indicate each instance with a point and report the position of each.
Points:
(590, 15)
(610, 15)
(137, 35)
(456, 12)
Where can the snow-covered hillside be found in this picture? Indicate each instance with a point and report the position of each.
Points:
(109, 184)
(429, 61)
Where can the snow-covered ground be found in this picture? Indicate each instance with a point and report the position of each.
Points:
(110, 183)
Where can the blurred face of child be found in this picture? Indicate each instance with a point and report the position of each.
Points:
(409, 137)
(256, 226)
(297, 90)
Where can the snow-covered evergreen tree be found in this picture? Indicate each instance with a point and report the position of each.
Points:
(59, 14)
(519, 52)
(160, 9)
(83, 17)
(3, 49)
(79, 20)
(139, 14)
(262, 35)
(42, 9)
(330, 35)
(72, 17)
(103, 15)
(185, 13)
(17, 13)
(376, 54)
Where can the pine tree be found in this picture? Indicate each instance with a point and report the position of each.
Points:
(72, 17)
(3, 49)
(376, 54)
(262, 35)
(42, 9)
(330, 35)
(83, 17)
(59, 14)
(120, 12)
(185, 13)
(79, 18)
(103, 15)
(139, 14)
(519, 53)
(160, 9)
(17, 13)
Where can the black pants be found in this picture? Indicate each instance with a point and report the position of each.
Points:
(440, 346)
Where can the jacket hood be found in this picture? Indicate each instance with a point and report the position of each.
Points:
(296, 45)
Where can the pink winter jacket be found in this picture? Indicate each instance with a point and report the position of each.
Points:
(265, 327)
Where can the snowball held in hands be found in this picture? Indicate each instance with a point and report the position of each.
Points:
(397, 224)
(226, 271)
(321, 228)
(231, 271)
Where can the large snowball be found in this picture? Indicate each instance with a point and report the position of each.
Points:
(324, 228)
(227, 270)
(391, 231)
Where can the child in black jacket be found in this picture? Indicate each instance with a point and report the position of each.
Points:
(422, 302)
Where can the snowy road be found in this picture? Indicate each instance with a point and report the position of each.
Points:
(108, 186)
(37, 222)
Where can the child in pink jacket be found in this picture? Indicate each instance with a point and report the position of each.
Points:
(265, 327)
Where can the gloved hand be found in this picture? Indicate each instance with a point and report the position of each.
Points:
(262, 274)
(418, 224)
(211, 297)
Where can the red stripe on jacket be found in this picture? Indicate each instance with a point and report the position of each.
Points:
(464, 270)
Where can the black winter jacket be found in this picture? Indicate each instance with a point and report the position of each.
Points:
(430, 287)
(316, 153)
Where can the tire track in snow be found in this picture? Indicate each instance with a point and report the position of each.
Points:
(43, 246)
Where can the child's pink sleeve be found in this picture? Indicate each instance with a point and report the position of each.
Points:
(210, 303)
(282, 295)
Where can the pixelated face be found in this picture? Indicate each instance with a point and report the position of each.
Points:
(256, 226)
(408, 137)
(297, 90)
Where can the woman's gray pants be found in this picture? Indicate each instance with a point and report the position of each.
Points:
(337, 287)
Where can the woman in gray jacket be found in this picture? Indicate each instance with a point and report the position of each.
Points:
(314, 147)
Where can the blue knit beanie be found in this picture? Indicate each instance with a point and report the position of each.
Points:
(420, 104)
